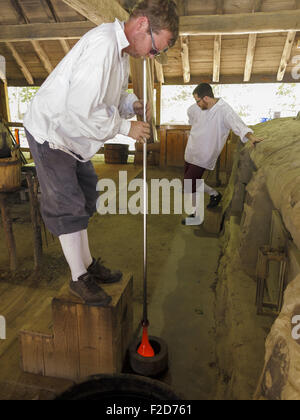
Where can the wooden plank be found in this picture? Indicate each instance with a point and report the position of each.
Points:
(290, 39)
(250, 57)
(95, 336)
(32, 359)
(217, 58)
(44, 31)
(4, 103)
(231, 79)
(163, 147)
(159, 72)
(244, 23)
(184, 41)
(98, 12)
(158, 105)
(42, 56)
(65, 46)
(20, 62)
(65, 339)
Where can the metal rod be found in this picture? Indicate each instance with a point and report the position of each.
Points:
(145, 320)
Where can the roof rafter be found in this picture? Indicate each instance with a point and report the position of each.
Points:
(44, 31)
(286, 55)
(21, 64)
(40, 52)
(239, 24)
(184, 45)
(256, 7)
(64, 44)
(98, 12)
(217, 46)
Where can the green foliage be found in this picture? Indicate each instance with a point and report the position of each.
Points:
(25, 94)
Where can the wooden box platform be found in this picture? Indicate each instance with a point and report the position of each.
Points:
(85, 340)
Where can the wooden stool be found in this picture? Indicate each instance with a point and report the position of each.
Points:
(85, 340)
(36, 221)
(265, 255)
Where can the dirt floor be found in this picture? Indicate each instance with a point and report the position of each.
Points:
(182, 277)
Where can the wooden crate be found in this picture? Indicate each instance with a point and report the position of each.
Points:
(86, 340)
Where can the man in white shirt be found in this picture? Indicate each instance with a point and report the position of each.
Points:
(82, 104)
(211, 120)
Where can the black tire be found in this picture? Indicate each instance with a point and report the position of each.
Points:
(119, 387)
(149, 366)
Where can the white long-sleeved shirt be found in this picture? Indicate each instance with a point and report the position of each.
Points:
(84, 102)
(209, 132)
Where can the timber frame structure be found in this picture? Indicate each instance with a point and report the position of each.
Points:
(221, 41)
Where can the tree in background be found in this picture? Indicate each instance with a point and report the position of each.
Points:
(19, 98)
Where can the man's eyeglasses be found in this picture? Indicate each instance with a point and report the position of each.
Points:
(154, 51)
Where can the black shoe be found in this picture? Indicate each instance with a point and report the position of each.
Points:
(214, 201)
(88, 291)
(102, 274)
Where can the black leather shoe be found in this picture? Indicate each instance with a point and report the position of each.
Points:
(102, 274)
(88, 291)
(214, 201)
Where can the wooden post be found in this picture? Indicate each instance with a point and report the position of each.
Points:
(4, 105)
(158, 104)
(7, 227)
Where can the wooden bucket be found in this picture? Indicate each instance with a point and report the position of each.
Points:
(10, 172)
(116, 153)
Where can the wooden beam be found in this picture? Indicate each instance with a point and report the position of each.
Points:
(242, 23)
(158, 104)
(44, 31)
(4, 103)
(19, 10)
(286, 55)
(184, 40)
(256, 7)
(250, 57)
(159, 72)
(217, 58)
(20, 63)
(227, 80)
(42, 56)
(64, 44)
(37, 47)
(99, 11)
(217, 46)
